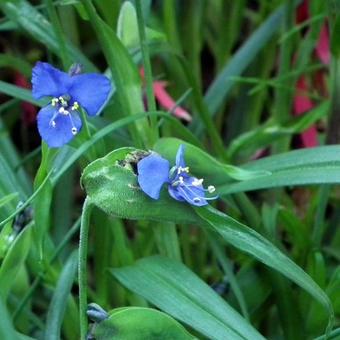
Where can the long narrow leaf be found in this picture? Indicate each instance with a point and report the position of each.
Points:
(58, 304)
(249, 241)
(173, 288)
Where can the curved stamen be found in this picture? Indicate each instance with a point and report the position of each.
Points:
(52, 121)
(180, 181)
(74, 130)
(201, 197)
(187, 198)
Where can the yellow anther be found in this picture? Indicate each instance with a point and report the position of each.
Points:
(62, 101)
(75, 106)
(180, 170)
(54, 101)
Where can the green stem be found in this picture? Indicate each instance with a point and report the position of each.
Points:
(283, 99)
(82, 267)
(319, 223)
(92, 150)
(86, 126)
(226, 265)
(151, 103)
(332, 335)
(28, 201)
(52, 13)
(248, 210)
(203, 112)
(124, 73)
(42, 273)
(42, 205)
(333, 134)
(166, 239)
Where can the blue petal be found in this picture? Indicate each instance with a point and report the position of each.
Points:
(180, 157)
(91, 91)
(153, 172)
(174, 193)
(191, 194)
(49, 81)
(61, 133)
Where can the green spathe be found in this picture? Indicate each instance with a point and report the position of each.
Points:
(147, 323)
(112, 186)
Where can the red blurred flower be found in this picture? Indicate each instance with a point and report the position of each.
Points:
(302, 102)
(29, 111)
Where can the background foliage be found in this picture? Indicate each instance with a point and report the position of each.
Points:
(251, 88)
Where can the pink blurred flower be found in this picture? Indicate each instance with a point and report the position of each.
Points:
(302, 103)
(166, 101)
(322, 47)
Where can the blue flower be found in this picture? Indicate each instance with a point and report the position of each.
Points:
(154, 171)
(59, 121)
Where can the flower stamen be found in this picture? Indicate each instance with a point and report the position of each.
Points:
(180, 181)
(74, 130)
(197, 182)
(211, 189)
(63, 101)
(54, 101)
(75, 106)
(63, 111)
(181, 169)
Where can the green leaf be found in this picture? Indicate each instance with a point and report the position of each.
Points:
(58, 304)
(172, 287)
(221, 86)
(14, 260)
(112, 186)
(7, 236)
(10, 156)
(30, 20)
(18, 92)
(17, 63)
(127, 27)
(7, 330)
(118, 124)
(318, 165)
(249, 241)
(8, 198)
(335, 29)
(143, 323)
(202, 164)
(247, 143)
(124, 72)
(8, 179)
